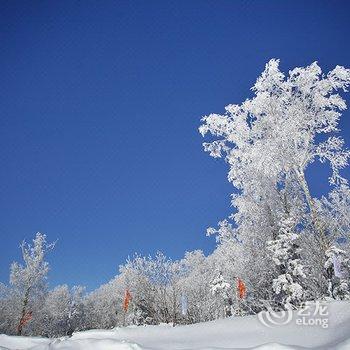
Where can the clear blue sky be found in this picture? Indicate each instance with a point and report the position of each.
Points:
(100, 105)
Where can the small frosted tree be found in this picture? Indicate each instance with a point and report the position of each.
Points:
(154, 284)
(285, 254)
(29, 280)
(102, 307)
(6, 310)
(338, 268)
(62, 311)
(220, 288)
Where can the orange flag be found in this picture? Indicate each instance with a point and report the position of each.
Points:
(241, 288)
(127, 298)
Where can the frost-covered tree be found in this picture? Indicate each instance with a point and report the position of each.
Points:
(195, 287)
(268, 142)
(221, 289)
(153, 283)
(103, 306)
(8, 316)
(334, 211)
(285, 254)
(62, 311)
(28, 281)
(338, 269)
(274, 133)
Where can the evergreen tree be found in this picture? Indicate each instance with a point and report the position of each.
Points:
(220, 288)
(285, 254)
(337, 267)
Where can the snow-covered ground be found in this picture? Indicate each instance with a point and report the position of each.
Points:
(235, 333)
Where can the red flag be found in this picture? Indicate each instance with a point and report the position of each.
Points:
(241, 288)
(127, 298)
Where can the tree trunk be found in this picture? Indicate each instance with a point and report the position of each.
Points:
(24, 312)
(319, 226)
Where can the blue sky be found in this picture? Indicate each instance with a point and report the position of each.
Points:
(100, 105)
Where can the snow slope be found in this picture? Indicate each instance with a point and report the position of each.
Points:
(235, 333)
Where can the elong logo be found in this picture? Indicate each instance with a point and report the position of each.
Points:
(311, 314)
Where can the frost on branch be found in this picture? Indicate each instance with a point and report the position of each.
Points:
(224, 233)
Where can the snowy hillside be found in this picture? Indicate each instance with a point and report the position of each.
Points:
(235, 333)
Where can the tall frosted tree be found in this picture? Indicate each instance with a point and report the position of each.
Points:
(268, 142)
(28, 281)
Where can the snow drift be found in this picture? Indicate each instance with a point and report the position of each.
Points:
(232, 333)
